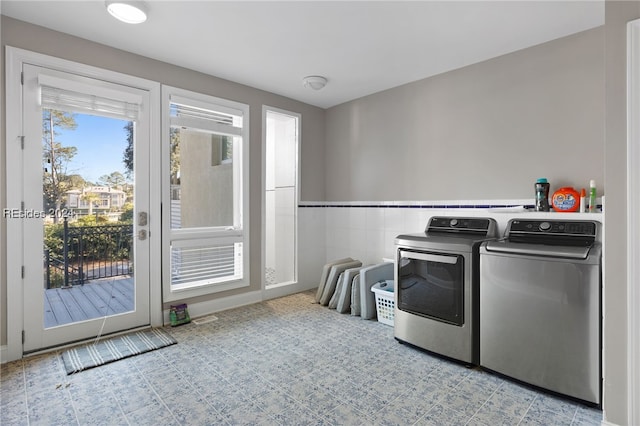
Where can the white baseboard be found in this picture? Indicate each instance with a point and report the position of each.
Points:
(216, 305)
(209, 307)
(276, 291)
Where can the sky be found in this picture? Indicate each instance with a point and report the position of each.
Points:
(100, 141)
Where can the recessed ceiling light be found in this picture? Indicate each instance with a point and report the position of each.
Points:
(131, 12)
(315, 82)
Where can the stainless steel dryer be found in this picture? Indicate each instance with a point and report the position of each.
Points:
(540, 310)
(436, 293)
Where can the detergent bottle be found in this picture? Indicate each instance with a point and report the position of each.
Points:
(566, 199)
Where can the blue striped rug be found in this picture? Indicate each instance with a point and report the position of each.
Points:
(114, 349)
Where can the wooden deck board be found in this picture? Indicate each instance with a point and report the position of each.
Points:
(74, 308)
(95, 298)
(122, 295)
(105, 293)
(80, 303)
(91, 309)
(59, 309)
(49, 315)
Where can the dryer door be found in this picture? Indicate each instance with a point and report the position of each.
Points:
(431, 285)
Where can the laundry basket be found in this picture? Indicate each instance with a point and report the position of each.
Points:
(385, 302)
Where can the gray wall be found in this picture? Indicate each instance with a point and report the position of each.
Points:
(26, 36)
(486, 131)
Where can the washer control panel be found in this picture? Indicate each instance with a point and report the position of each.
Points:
(567, 232)
(554, 227)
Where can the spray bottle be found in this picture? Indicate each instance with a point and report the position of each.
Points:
(592, 196)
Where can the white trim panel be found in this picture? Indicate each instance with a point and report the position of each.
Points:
(633, 221)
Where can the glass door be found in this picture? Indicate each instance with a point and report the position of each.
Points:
(86, 196)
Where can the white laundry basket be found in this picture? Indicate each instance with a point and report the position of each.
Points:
(385, 302)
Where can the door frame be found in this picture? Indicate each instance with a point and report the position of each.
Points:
(14, 60)
(633, 227)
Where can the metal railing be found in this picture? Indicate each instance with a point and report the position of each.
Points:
(89, 253)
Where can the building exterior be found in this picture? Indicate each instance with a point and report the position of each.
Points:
(95, 199)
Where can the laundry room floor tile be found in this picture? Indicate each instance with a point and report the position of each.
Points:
(285, 361)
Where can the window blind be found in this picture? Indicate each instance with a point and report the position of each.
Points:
(72, 96)
(221, 120)
(204, 264)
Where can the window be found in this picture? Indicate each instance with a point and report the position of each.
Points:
(281, 142)
(221, 150)
(205, 159)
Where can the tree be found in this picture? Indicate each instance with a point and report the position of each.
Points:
(174, 148)
(113, 180)
(174, 153)
(92, 199)
(77, 181)
(56, 157)
(127, 158)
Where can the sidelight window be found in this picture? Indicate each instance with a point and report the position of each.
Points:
(205, 147)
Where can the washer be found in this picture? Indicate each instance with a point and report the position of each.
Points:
(540, 313)
(436, 295)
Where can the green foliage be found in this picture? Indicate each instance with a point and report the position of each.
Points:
(89, 237)
(127, 157)
(53, 236)
(113, 180)
(174, 149)
(56, 278)
(77, 181)
(127, 213)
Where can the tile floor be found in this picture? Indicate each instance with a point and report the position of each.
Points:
(281, 362)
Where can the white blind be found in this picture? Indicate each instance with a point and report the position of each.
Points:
(71, 96)
(221, 120)
(204, 264)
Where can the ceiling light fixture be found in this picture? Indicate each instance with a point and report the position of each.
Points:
(315, 82)
(131, 12)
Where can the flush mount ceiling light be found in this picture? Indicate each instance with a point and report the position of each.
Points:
(315, 82)
(131, 12)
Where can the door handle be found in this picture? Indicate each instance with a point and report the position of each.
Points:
(142, 234)
(142, 219)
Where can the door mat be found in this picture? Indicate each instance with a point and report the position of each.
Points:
(114, 349)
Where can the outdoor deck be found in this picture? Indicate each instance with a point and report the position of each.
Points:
(95, 299)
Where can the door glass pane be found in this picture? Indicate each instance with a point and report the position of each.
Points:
(202, 193)
(87, 215)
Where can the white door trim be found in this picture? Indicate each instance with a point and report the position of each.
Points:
(14, 59)
(633, 221)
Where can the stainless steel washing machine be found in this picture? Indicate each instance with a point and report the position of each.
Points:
(436, 295)
(540, 314)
